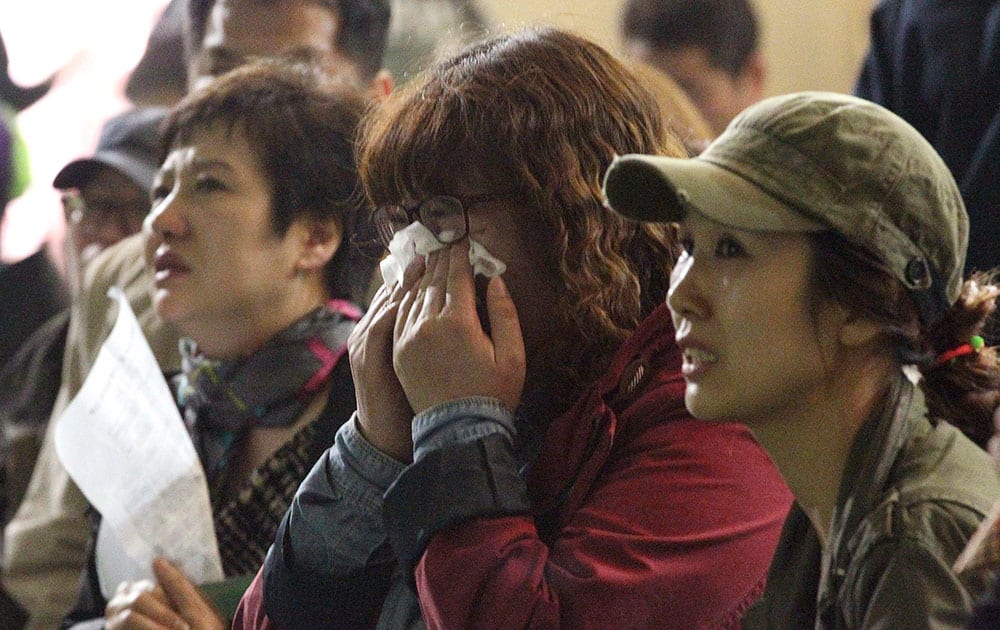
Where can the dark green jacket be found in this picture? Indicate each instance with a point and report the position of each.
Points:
(912, 494)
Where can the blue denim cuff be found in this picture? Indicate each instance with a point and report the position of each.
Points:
(335, 521)
(366, 470)
(460, 421)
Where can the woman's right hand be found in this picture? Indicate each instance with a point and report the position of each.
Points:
(171, 602)
(384, 415)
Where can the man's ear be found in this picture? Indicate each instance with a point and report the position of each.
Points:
(382, 85)
(318, 240)
(753, 78)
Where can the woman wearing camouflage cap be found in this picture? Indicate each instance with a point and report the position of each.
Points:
(820, 298)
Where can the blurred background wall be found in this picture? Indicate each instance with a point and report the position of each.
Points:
(809, 44)
(93, 44)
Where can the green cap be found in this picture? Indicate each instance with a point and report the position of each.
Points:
(816, 161)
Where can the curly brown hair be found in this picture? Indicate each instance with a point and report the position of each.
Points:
(542, 113)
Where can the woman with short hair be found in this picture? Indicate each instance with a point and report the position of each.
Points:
(247, 238)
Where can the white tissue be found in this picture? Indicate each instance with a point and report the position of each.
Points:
(415, 239)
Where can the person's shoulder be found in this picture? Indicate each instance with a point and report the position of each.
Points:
(119, 265)
(941, 488)
(941, 465)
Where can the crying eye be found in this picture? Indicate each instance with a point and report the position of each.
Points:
(728, 248)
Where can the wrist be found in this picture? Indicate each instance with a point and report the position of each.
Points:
(387, 442)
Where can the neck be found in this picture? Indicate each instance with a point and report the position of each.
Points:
(810, 444)
(239, 336)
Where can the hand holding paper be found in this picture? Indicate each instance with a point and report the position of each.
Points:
(123, 442)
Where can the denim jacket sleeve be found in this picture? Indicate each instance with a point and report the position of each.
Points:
(330, 563)
(464, 467)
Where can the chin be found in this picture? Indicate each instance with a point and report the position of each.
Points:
(169, 308)
(699, 406)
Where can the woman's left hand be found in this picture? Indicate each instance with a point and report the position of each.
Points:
(174, 602)
(440, 351)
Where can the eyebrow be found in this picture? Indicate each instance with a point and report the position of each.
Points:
(203, 164)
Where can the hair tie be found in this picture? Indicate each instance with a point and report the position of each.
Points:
(975, 344)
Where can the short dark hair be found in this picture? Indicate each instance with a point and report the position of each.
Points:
(361, 36)
(725, 29)
(301, 127)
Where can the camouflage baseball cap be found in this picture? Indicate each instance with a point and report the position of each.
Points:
(816, 161)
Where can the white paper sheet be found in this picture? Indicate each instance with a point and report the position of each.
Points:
(123, 442)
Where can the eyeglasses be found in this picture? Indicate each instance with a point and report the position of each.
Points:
(90, 217)
(445, 216)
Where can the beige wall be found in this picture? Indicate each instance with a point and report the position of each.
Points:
(809, 44)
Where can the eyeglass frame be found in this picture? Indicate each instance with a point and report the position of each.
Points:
(413, 213)
(76, 211)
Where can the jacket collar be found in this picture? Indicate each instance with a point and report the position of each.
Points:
(875, 450)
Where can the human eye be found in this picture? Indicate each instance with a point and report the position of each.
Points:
(444, 217)
(207, 184)
(729, 247)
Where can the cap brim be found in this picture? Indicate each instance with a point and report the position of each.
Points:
(78, 173)
(665, 189)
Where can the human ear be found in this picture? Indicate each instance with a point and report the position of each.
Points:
(752, 77)
(382, 85)
(318, 242)
(857, 331)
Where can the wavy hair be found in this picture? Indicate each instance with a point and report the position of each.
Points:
(541, 113)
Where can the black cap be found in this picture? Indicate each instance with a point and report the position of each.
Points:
(129, 144)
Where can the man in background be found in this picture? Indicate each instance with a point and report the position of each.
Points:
(105, 198)
(936, 63)
(709, 47)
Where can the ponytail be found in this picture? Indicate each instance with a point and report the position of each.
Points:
(965, 389)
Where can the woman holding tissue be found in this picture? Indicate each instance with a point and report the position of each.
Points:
(247, 239)
(520, 455)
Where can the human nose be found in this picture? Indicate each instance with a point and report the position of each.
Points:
(686, 297)
(166, 218)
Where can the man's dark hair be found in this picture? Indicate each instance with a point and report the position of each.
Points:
(725, 29)
(364, 28)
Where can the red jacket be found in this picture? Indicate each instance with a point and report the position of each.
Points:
(641, 517)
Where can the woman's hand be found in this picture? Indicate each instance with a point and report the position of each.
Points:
(440, 351)
(384, 415)
(174, 602)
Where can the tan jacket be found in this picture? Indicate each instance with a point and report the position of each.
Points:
(912, 495)
(45, 542)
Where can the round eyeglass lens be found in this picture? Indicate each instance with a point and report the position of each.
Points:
(444, 217)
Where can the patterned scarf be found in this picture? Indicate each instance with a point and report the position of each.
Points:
(223, 400)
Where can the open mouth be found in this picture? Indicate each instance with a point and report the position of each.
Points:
(168, 264)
